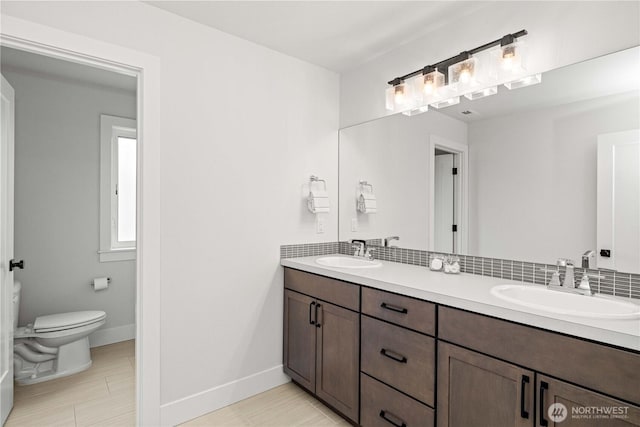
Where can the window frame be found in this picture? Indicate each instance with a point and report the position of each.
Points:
(111, 128)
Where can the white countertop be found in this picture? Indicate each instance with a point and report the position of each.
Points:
(472, 293)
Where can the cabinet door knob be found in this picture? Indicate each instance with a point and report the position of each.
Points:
(311, 321)
(523, 383)
(543, 386)
(317, 321)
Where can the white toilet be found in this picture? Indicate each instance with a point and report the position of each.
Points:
(53, 346)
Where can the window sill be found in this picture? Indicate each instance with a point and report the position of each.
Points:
(111, 255)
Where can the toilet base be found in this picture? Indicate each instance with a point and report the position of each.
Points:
(50, 375)
(71, 358)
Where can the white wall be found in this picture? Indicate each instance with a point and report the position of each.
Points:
(560, 33)
(57, 200)
(242, 129)
(392, 154)
(533, 176)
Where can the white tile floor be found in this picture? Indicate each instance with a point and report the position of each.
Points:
(104, 395)
(283, 406)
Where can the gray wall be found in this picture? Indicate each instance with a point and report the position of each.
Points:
(57, 146)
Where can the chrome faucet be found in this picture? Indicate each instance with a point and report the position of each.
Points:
(586, 258)
(569, 278)
(359, 246)
(388, 240)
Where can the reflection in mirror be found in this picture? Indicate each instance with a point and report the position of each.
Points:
(533, 178)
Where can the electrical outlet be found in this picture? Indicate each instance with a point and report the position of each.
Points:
(320, 225)
(354, 224)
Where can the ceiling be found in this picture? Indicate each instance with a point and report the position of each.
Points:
(22, 61)
(337, 35)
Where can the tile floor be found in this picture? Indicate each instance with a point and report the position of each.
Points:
(283, 406)
(104, 395)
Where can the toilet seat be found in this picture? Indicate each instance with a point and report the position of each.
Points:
(63, 321)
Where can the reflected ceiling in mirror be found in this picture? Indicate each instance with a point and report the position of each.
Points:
(529, 189)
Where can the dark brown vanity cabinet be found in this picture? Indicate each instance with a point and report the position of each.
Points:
(398, 360)
(478, 390)
(477, 386)
(375, 360)
(322, 338)
(581, 407)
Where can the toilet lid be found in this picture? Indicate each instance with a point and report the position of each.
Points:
(56, 322)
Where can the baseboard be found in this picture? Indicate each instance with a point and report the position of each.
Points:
(187, 408)
(112, 335)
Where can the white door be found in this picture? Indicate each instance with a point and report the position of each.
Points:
(6, 250)
(619, 201)
(444, 204)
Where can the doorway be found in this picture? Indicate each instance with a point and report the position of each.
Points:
(448, 186)
(57, 182)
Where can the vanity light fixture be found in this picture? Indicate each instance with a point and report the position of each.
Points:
(474, 74)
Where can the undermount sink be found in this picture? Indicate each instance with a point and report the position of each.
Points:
(541, 298)
(348, 262)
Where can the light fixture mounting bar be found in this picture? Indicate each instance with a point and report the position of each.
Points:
(443, 65)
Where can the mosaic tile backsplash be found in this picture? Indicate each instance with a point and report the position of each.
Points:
(607, 282)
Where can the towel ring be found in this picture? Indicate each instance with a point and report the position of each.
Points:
(314, 178)
(366, 184)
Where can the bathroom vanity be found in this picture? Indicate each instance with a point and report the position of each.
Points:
(403, 346)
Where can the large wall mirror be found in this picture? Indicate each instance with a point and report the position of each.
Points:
(540, 173)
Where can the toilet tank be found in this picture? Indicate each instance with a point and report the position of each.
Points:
(17, 287)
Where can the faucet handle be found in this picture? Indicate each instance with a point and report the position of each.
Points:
(368, 254)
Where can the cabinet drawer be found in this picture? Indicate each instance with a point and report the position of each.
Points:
(401, 358)
(382, 406)
(610, 370)
(340, 293)
(408, 312)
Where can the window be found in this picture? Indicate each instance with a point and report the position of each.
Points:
(118, 149)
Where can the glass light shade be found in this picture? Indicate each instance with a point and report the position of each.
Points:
(428, 85)
(481, 93)
(446, 102)
(399, 97)
(511, 60)
(462, 75)
(524, 82)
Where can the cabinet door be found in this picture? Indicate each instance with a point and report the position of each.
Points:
(338, 356)
(566, 405)
(478, 390)
(299, 351)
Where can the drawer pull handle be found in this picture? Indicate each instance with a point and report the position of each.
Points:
(394, 308)
(311, 322)
(523, 384)
(543, 386)
(393, 355)
(384, 415)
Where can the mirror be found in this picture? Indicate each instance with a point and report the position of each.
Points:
(539, 174)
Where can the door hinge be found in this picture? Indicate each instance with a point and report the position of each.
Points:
(454, 228)
(116, 189)
(454, 171)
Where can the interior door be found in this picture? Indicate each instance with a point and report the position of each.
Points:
(444, 203)
(6, 249)
(618, 236)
